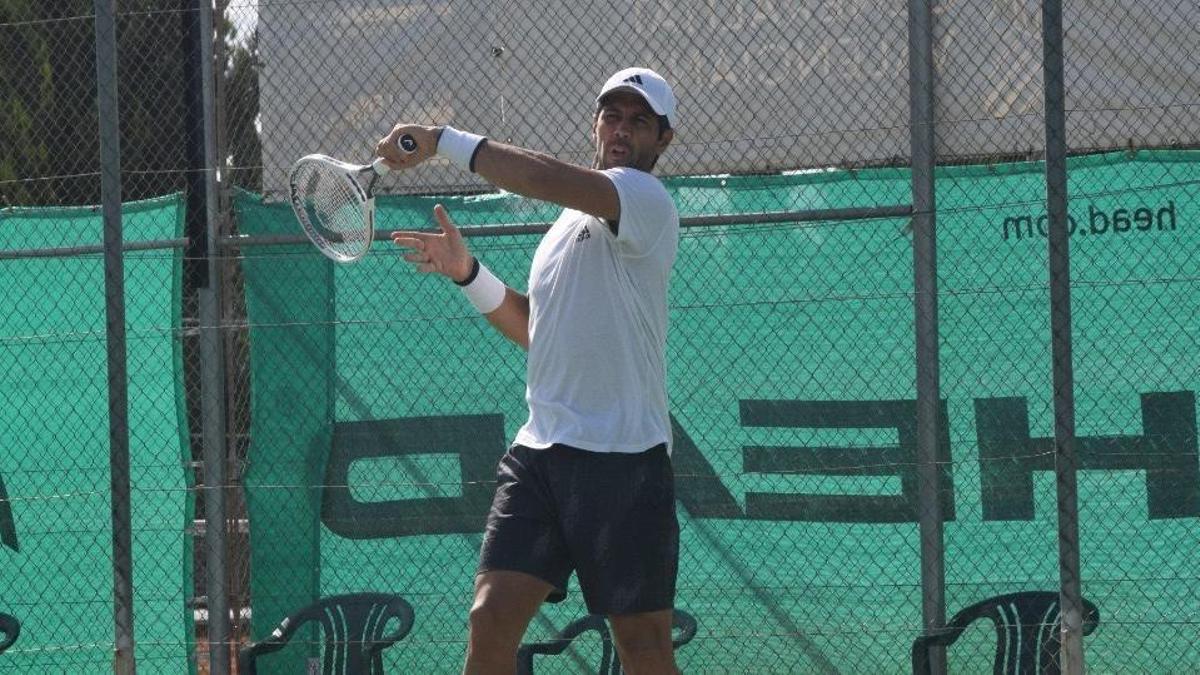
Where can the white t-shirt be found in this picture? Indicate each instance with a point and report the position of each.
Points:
(598, 324)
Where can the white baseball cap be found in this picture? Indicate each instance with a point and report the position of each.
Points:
(645, 83)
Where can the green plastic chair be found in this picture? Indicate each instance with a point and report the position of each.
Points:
(1027, 628)
(11, 628)
(683, 630)
(352, 630)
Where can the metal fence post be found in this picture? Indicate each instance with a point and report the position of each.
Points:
(1060, 336)
(213, 413)
(924, 239)
(114, 304)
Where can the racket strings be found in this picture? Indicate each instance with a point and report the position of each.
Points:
(335, 211)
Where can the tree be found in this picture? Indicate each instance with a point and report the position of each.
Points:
(241, 94)
(49, 145)
(26, 97)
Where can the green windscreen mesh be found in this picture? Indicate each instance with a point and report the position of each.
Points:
(381, 403)
(56, 557)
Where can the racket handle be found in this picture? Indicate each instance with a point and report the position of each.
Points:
(407, 144)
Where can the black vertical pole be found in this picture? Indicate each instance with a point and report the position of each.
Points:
(114, 307)
(204, 268)
(921, 123)
(195, 269)
(1060, 337)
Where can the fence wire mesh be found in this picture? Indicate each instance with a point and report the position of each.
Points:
(365, 406)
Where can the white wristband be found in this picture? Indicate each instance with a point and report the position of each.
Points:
(459, 147)
(483, 289)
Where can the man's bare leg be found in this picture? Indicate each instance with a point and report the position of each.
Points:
(644, 642)
(505, 603)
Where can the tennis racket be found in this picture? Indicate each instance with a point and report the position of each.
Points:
(335, 208)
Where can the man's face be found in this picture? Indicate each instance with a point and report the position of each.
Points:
(626, 133)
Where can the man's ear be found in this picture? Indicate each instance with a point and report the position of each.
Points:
(665, 139)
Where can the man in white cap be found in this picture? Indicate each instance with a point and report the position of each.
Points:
(587, 485)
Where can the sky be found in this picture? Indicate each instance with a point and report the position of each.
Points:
(244, 15)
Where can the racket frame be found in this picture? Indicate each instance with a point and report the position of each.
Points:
(352, 175)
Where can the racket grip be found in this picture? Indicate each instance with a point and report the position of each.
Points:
(406, 143)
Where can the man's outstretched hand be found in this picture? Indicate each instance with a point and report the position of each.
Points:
(442, 252)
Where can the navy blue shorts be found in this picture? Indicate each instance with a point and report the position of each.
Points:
(610, 517)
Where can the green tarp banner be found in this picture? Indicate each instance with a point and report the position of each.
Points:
(56, 564)
(381, 403)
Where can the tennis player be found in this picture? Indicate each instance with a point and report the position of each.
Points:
(587, 485)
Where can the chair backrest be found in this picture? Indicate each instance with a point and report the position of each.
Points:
(559, 643)
(11, 629)
(683, 630)
(1027, 628)
(352, 632)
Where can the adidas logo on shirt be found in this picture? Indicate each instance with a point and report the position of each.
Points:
(583, 234)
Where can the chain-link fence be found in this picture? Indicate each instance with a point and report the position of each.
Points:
(885, 411)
